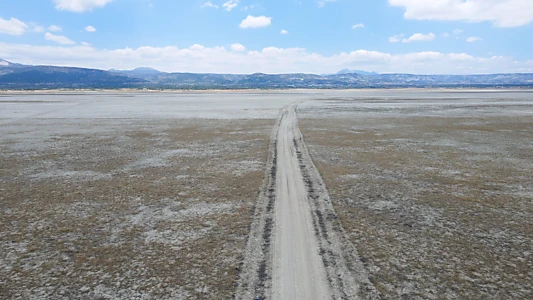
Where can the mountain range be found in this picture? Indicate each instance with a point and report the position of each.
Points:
(15, 76)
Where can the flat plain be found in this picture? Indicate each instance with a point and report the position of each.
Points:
(123, 195)
(434, 189)
(128, 196)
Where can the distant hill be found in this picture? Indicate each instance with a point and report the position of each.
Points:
(17, 76)
(8, 67)
(347, 71)
(138, 72)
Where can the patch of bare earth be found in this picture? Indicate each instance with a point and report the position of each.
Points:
(124, 209)
(438, 207)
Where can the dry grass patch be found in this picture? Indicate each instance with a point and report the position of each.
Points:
(127, 209)
(438, 207)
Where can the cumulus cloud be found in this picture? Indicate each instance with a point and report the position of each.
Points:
(63, 40)
(80, 5)
(283, 31)
(198, 58)
(255, 22)
(502, 13)
(473, 39)
(360, 25)
(238, 47)
(231, 4)
(12, 26)
(209, 4)
(90, 29)
(419, 37)
(55, 28)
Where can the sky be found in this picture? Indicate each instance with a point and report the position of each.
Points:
(272, 36)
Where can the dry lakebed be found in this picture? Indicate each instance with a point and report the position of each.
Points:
(348, 194)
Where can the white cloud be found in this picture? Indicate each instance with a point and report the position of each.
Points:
(63, 40)
(194, 47)
(238, 47)
(12, 26)
(85, 44)
(231, 4)
(55, 28)
(80, 5)
(90, 29)
(360, 25)
(473, 39)
(502, 13)
(256, 22)
(283, 31)
(446, 35)
(457, 31)
(419, 37)
(202, 59)
(209, 4)
(396, 38)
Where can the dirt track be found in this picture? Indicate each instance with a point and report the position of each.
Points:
(298, 272)
(297, 249)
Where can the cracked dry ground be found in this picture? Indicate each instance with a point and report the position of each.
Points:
(438, 207)
(125, 209)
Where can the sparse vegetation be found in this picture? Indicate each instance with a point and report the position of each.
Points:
(127, 209)
(439, 204)
(100, 200)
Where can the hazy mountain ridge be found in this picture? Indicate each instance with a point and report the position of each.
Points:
(361, 72)
(17, 76)
(138, 72)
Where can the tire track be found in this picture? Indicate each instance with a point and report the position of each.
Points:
(298, 271)
(297, 248)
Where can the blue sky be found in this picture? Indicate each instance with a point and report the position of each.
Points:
(247, 36)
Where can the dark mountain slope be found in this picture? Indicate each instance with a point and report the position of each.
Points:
(48, 77)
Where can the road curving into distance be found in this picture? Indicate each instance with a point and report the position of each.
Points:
(297, 248)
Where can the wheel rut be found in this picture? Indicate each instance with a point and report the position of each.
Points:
(297, 248)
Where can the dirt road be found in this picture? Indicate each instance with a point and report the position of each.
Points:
(297, 248)
(298, 271)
